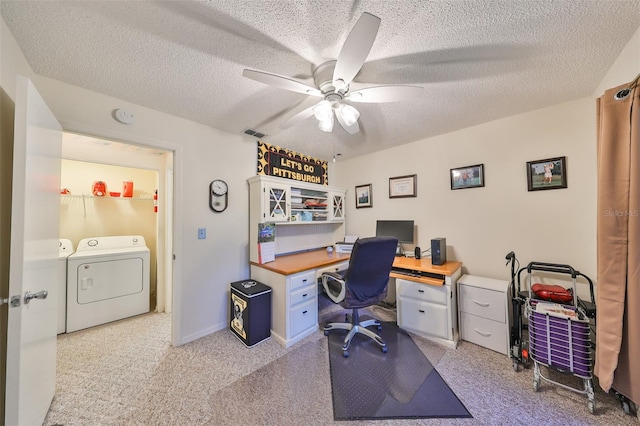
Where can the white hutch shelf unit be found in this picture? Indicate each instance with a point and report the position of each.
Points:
(307, 216)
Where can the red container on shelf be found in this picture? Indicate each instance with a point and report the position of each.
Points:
(99, 189)
(127, 188)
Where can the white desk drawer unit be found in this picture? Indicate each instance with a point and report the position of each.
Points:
(422, 292)
(294, 304)
(428, 310)
(303, 302)
(484, 312)
(427, 317)
(303, 316)
(302, 280)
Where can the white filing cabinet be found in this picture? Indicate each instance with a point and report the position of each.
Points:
(484, 312)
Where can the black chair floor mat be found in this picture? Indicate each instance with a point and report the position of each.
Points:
(401, 383)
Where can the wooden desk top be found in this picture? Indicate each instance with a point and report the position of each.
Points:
(299, 262)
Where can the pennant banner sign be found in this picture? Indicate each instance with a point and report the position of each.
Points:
(280, 162)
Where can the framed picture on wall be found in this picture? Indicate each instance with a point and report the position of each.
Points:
(467, 177)
(402, 186)
(550, 173)
(364, 196)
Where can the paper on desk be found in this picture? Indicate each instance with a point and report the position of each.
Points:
(350, 238)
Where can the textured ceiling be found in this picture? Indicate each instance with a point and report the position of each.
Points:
(478, 60)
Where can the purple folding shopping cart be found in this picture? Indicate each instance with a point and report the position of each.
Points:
(560, 338)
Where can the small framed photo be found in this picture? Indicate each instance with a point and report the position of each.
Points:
(467, 177)
(550, 173)
(364, 196)
(402, 186)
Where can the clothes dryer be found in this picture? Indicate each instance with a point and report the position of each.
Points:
(65, 249)
(107, 280)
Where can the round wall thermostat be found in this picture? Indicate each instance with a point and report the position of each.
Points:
(124, 117)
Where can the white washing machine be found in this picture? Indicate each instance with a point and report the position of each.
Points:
(107, 280)
(65, 249)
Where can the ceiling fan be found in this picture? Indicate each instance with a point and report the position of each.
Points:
(332, 80)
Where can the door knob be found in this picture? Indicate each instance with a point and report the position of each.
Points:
(39, 295)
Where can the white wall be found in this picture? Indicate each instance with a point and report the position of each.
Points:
(483, 224)
(203, 268)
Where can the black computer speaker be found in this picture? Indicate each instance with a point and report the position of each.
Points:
(438, 251)
(418, 253)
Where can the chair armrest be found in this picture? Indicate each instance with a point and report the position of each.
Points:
(326, 276)
(335, 278)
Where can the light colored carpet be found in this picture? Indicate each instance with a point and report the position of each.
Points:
(126, 373)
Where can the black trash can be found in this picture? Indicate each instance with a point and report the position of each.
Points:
(250, 311)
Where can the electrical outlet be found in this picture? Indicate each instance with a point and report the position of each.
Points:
(202, 233)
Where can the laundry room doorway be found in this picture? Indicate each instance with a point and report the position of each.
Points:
(113, 188)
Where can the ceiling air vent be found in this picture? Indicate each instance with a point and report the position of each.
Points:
(252, 132)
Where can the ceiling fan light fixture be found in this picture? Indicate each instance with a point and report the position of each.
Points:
(323, 111)
(326, 125)
(348, 114)
(339, 85)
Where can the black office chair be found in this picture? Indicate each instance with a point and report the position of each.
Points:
(365, 284)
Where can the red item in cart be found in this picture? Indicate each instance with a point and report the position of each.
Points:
(552, 293)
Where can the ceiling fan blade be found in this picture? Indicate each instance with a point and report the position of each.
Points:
(301, 116)
(353, 129)
(356, 48)
(380, 94)
(281, 82)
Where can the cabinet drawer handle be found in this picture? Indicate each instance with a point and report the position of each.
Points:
(304, 295)
(484, 305)
(304, 312)
(481, 333)
(420, 291)
(304, 281)
(421, 311)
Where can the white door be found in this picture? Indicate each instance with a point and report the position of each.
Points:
(35, 205)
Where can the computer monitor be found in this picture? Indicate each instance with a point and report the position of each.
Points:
(400, 229)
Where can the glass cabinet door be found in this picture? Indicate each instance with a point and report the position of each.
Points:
(337, 206)
(277, 203)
